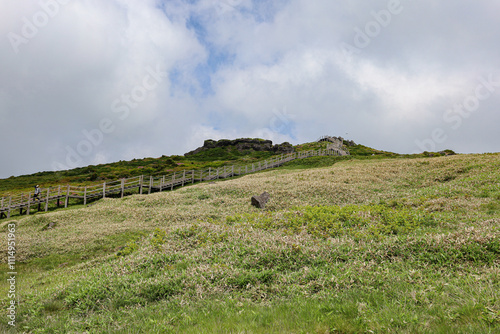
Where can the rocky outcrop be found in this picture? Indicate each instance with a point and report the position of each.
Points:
(283, 148)
(338, 141)
(244, 144)
(338, 144)
(348, 142)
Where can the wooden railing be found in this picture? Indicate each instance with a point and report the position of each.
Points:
(139, 184)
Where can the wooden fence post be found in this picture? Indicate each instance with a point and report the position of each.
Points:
(47, 200)
(67, 197)
(123, 187)
(201, 175)
(232, 171)
(141, 181)
(192, 176)
(209, 174)
(21, 205)
(162, 183)
(10, 202)
(58, 195)
(85, 196)
(150, 184)
(183, 176)
(173, 181)
(29, 204)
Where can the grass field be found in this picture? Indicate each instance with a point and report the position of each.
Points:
(386, 245)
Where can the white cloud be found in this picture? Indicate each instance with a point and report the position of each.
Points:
(232, 65)
(405, 96)
(65, 79)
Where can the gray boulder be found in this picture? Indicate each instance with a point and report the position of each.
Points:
(261, 200)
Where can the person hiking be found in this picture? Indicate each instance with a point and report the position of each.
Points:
(36, 195)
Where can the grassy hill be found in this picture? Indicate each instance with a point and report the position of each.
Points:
(216, 157)
(345, 245)
(93, 174)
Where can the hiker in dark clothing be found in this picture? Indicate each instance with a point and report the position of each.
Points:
(37, 193)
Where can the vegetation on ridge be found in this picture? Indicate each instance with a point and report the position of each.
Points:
(213, 157)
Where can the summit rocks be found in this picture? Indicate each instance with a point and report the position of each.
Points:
(244, 144)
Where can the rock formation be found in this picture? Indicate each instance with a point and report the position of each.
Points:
(244, 144)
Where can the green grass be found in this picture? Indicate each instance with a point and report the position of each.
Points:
(359, 222)
(357, 311)
(255, 285)
(315, 162)
(361, 150)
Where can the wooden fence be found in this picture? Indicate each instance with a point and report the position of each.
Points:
(25, 203)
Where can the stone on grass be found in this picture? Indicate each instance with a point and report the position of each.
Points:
(261, 200)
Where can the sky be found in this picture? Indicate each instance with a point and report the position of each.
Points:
(85, 82)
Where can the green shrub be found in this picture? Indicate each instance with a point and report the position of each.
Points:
(156, 291)
(159, 238)
(203, 197)
(198, 235)
(131, 247)
(242, 280)
(447, 252)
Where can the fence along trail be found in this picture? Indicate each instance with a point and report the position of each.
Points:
(142, 184)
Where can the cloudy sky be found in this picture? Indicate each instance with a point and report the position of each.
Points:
(93, 81)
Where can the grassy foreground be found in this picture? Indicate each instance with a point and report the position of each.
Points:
(375, 246)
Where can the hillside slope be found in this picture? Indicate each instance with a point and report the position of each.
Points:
(212, 154)
(224, 152)
(386, 245)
